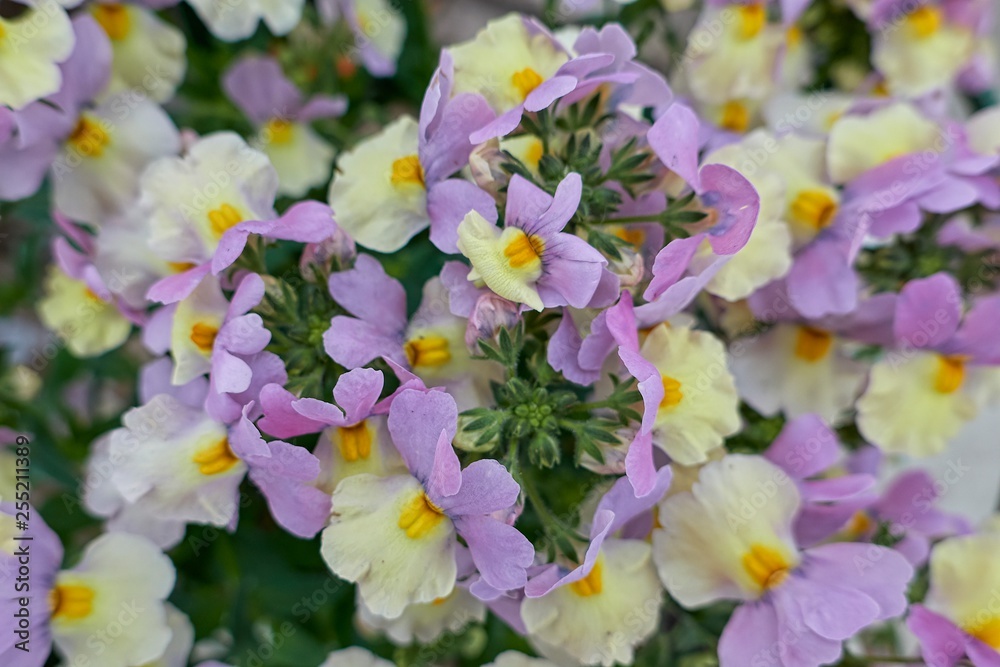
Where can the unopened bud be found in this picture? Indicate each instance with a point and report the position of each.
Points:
(490, 314)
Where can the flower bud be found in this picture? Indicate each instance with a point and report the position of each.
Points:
(334, 254)
(490, 313)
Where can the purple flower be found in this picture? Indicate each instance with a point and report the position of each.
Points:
(730, 200)
(531, 260)
(395, 536)
(807, 448)
(257, 85)
(959, 615)
(731, 537)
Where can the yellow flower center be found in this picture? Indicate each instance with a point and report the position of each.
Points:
(924, 21)
(203, 336)
(408, 171)
(634, 236)
(672, 394)
(533, 155)
(115, 20)
(420, 516)
(735, 117)
(860, 524)
(987, 631)
(793, 35)
(525, 81)
(950, 374)
(278, 131)
(766, 566)
(3, 30)
(89, 138)
(427, 351)
(215, 458)
(592, 584)
(355, 442)
(92, 296)
(71, 601)
(751, 20)
(180, 267)
(223, 218)
(812, 344)
(814, 208)
(524, 251)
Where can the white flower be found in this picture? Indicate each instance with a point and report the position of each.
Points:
(426, 621)
(301, 157)
(149, 53)
(196, 323)
(798, 369)
(731, 54)
(231, 21)
(964, 584)
(916, 403)
(102, 499)
(530, 57)
(731, 535)
(192, 201)
(700, 405)
(176, 462)
(121, 579)
(860, 143)
(921, 51)
(381, 527)
(96, 175)
(601, 618)
(88, 324)
(509, 261)
(31, 46)
(379, 194)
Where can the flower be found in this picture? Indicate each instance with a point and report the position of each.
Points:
(690, 402)
(943, 370)
(808, 451)
(355, 438)
(87, 321)
(600, 610)
(801, 366)
(393, 185)
(149, 53)
(921, 49)
(180, 464)
(736, 63)
(192, 201)
(379, 30)
(432, 344)
(730, 537)
(959, 616)
(531, 260)
(275, 106)
(729, 199)
(31, 47)
(118, 577)
(231, 24)
(425, 622)
(395, 537)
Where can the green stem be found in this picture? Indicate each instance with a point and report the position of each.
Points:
(630, 219)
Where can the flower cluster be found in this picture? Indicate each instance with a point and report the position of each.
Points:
(539, 347)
